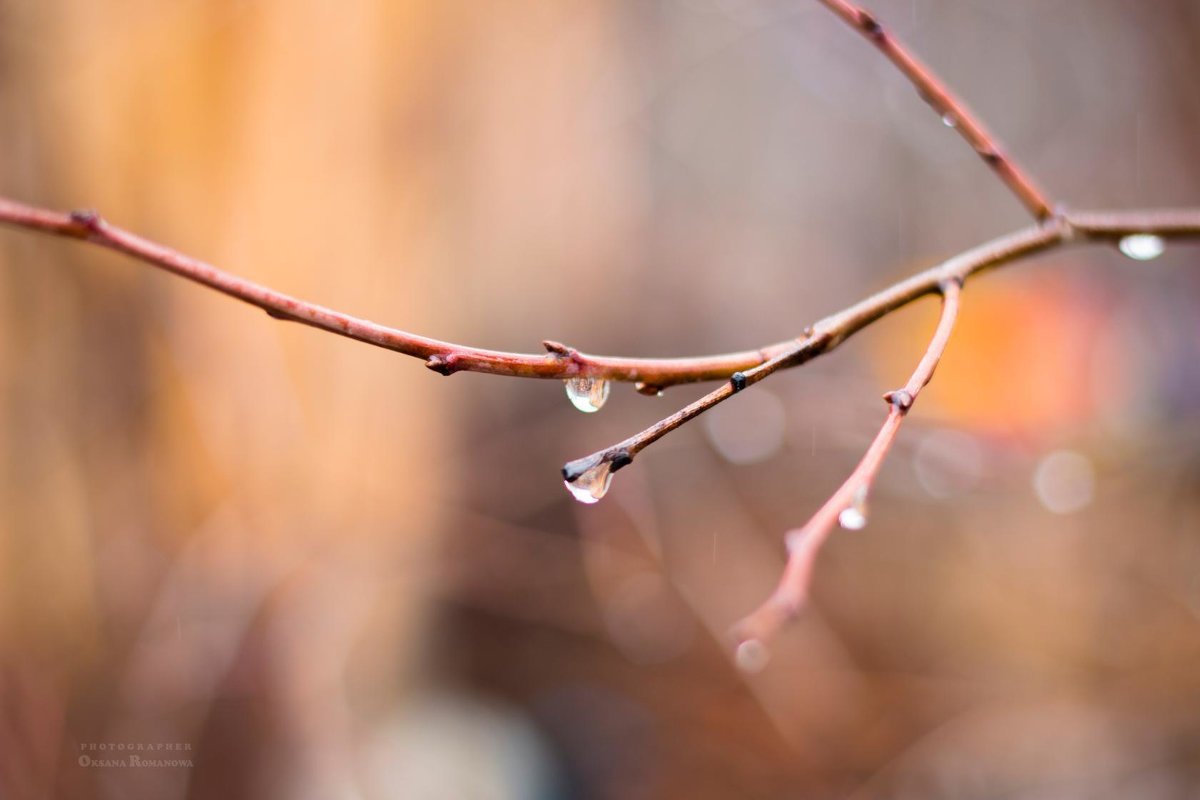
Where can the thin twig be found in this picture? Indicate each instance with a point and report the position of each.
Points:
(851, 497)
(559, 361)
(951, 109)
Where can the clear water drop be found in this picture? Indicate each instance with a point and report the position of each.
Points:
(949, 120)
(591, 484)
(648, 389)
(1142, 246)
(852, 519)
(854, 516)
(587, 394)
(751, 656)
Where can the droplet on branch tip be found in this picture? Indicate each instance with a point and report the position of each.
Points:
(751, 656)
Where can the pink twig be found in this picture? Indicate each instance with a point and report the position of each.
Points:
(847, 505)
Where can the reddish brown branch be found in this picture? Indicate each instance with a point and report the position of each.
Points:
(741, 369)
(848, 504)
(951, 109)
(563, 362)
(833, 330)
(443, 357)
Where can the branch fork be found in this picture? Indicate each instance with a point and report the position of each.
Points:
(588, 477)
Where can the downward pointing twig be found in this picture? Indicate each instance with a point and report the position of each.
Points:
(850, 499)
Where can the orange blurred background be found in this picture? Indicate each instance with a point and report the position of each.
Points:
(311, 568)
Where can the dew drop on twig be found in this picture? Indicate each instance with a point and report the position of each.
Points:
(587, 394)
(751, 656)
(854, 516)
(591, 484)
(949, 120)
(1142, 246)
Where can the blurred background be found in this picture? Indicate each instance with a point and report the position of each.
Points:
(314, 569)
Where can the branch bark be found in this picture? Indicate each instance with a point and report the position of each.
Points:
(952, 111)
(559, 361)
(848, 505)
(827, 334)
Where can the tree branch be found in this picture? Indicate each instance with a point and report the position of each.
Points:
(848, 505)
(562, 362)
(952, 110)
(588, 477)
(446, 358)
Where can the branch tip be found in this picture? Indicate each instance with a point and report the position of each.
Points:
(573, 469)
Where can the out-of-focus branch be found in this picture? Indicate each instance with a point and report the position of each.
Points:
(952, 110)
(848, 505)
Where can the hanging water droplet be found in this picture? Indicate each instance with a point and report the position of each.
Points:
(852, 519)
(1142, 246)
(949, 120)
(587, 394)
(649, 389)
(591, 484)
(854, 516)
(751, 656)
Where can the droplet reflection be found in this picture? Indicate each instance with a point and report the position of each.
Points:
(587, 394)
(591, 484)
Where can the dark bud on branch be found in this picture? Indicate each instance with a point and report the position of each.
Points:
(443, 365)
(621, 458)
(870, 25)
(901, 399)
(88, 218)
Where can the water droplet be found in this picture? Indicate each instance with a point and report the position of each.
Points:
(854, 516)
(587, 394)
(949, 120)
(852, 519)
(649, 389)
(1142, 246)
(751, 656)
(591, 484)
